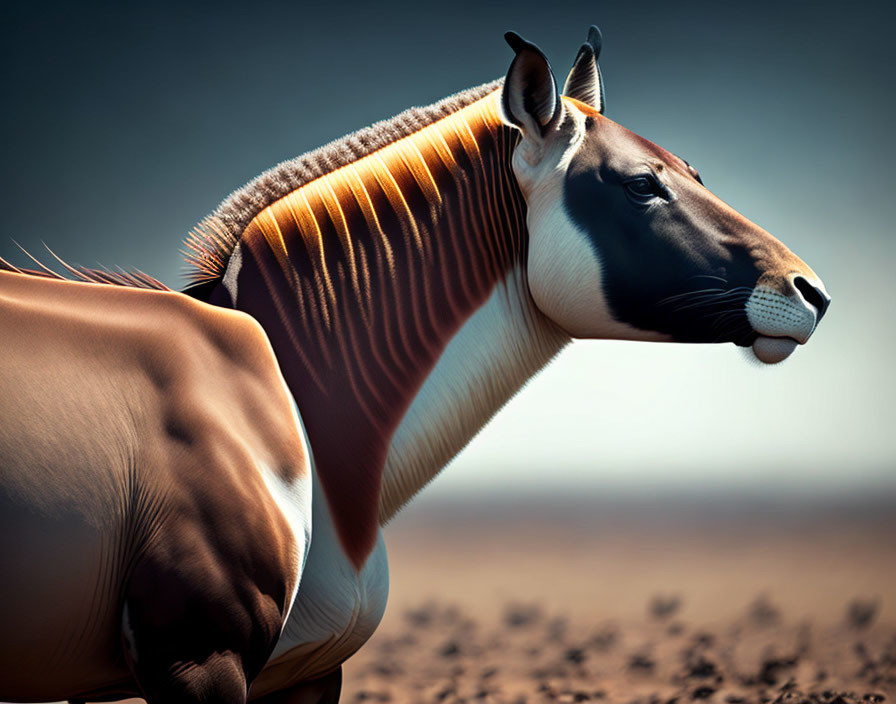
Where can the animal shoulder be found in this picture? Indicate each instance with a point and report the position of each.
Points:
(201, 372)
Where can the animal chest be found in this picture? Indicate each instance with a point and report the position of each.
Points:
(337, 607)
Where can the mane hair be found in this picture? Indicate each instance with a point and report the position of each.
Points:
(132, 279)
(210, 244)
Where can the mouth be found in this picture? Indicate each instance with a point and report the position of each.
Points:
(772, 350)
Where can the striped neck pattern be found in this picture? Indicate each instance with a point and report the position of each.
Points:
(362, 277)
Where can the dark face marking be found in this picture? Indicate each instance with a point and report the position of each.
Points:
(675, 258)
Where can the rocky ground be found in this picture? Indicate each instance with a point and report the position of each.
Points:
(442, 654)
(637, 600)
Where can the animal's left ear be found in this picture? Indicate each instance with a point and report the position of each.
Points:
(530, 98)
(584, 82)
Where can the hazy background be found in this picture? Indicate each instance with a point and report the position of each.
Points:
(123, 125)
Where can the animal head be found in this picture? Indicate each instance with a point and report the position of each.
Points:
(626, 242)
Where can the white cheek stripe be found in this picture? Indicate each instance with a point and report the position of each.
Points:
(565, 271)
(566, 278)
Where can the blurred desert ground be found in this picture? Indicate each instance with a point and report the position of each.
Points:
(601, 556)
(779, 589)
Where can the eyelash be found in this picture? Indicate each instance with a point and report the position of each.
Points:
(650, 189)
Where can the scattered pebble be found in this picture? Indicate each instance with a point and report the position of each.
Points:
(861, 612)
(441, 654)
(663, 607)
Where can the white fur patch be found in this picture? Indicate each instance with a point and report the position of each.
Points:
(294, 501)
(566, 278)
(337, 608)
(565, 272)
(232, 273)
(487, 361)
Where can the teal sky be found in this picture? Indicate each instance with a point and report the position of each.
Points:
(124, 126)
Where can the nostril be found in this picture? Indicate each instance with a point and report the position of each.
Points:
(813, 295)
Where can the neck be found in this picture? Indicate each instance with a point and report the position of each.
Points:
(393, 292)
(500, 347)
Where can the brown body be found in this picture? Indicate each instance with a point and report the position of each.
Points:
(132, 425)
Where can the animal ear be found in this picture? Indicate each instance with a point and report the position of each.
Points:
(584, 81)
(530, 98)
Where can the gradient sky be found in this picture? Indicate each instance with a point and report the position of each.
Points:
(122, 126)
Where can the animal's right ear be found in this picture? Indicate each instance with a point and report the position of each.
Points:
(530, 98)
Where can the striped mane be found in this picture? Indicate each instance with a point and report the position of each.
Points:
(210, 244)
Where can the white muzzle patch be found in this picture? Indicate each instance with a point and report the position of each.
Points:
(783, 322)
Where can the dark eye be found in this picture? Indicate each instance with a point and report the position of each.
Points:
(643, 189)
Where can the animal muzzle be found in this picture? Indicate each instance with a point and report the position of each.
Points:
(783, 319)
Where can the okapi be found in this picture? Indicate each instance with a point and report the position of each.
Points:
(159, 478)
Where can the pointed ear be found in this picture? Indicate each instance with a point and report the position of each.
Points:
(530, 98)
(584, 81)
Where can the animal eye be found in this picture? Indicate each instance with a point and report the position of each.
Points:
(643, 189)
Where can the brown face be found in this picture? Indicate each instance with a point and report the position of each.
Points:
(627, 242)
(676, 259)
